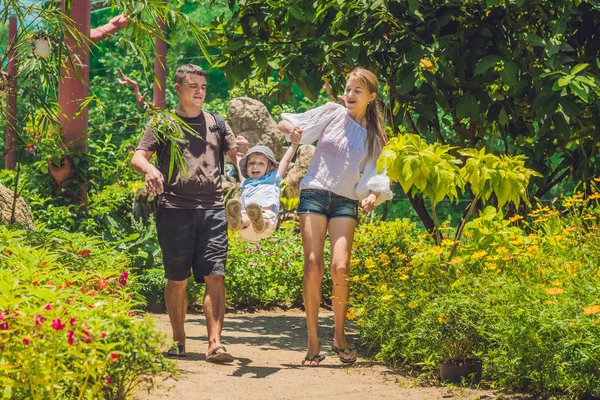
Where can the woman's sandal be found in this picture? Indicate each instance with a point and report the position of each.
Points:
(308, 360)
(176, 351)
(345, 351)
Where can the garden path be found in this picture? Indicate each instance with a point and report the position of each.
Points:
(269, 347)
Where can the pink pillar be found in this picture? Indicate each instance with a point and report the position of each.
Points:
(73, 86)
(160, 69)
(10, 160)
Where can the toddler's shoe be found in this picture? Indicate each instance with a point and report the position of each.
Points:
(255, 214)
(233, 209)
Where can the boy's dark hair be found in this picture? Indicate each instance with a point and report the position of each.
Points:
(185, 69)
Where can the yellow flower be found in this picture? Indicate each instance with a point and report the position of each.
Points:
(479, 254)
(548, 302)
(515, 218)
(385, 260)
(594, 196)
(356, 278)
(426, 65)
(361, 323)
(360, 296)
(557, 283)
(413, 304)
(387, 297)
(437, 250)
(369, 263)
(403, 277)
(350, 314)
(597, 180)
(591, 310)
(456, 260)
(555, 290)
(383, 288)
(443, 319)
(491, 265)
(360, 311)
(501, 250)
(447, 242)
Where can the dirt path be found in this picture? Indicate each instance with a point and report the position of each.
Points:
(269, 347)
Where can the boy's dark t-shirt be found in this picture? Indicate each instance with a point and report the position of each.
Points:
(200, 187)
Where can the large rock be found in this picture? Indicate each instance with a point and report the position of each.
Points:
(298, 170)
(22, 214)
(251, 119)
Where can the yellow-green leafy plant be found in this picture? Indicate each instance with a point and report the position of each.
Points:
(430, 169)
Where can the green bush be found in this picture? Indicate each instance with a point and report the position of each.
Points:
(68, 327)
(521, 294)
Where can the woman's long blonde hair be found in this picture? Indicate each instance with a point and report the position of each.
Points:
(376, 137)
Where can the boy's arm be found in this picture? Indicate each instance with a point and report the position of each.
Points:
(295, 137)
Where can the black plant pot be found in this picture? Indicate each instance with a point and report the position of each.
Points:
(454, 372)
(157, 307)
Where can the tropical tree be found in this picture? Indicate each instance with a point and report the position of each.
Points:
(513, 76)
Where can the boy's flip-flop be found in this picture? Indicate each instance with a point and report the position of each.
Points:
(223, 357)
(176, 351)
(346, 352)
(233, 210)
(255, 213)
(308, 360)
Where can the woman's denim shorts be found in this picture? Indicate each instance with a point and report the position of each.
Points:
(326, 203)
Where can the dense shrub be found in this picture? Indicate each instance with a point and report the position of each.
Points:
(68, 328)
(525, 294)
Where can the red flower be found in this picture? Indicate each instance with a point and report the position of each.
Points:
(25, 341)
(123, 279)
(114, 356)
(87, 337)
(84, 253)
(39, 320)
(92, 293)
(48, 306)
(1, 316)
(57, 325)
(35, 283)
(108, 380)
(4, 326)
(71, 337)
(132, 314)
(102, 284)
(72, 321)
(103, 335)
(68, 283)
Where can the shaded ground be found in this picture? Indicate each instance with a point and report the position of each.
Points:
(269, 347)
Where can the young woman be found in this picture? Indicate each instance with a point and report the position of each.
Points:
(341, 176)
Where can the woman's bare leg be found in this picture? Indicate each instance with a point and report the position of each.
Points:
(341, 235)
(314, 230)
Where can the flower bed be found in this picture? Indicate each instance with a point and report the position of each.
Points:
(68, 328)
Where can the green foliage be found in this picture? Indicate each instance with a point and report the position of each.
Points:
(521, 295)
(67, 326)
(511, 76)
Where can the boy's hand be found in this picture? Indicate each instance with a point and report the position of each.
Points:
(296, 135)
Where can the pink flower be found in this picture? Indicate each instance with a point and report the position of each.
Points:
(39, 320)
(25, 341)
(57, 325)
(48, 307)
(114, 356)
(1, 316)
(132, 314)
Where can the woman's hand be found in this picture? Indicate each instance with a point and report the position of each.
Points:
(368, 204)
(296, 135)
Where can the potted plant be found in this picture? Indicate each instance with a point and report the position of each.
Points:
(452, 328)
(151, 284)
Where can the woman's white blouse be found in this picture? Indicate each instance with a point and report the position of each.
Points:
(340, 162)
